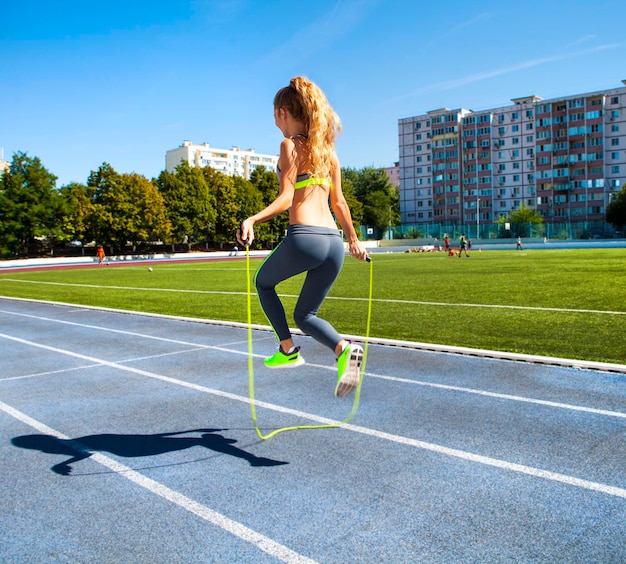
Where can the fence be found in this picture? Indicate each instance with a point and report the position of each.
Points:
(564, 230)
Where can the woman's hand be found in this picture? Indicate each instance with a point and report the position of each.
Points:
(245, 234)
(357, 250)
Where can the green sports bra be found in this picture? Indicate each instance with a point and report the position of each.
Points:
(306, 179)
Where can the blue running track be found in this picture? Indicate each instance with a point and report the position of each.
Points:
(128, 438)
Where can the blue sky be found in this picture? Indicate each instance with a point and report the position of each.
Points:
(122, 82)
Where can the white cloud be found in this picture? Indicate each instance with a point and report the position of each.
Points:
(580, 40)
(320, 34)
(463, 81)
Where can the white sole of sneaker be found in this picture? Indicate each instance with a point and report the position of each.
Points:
(350, 378)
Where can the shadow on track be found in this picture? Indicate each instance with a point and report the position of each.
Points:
(131, 446)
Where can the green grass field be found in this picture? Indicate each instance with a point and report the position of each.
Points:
(561, 303)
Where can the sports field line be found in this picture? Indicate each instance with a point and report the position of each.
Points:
(263, 543)
(447, 451)
(377, 300)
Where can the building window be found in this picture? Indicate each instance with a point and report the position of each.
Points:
(615, 141)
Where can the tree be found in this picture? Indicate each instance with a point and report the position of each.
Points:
(267, 184)
(249, 200)
(379, 210)
(379, 197)
(616, 210)
(79, 210)
(222, 189)
(522, 219)
(31, 208)
(126, 207)
(356, 207)
(189, 202)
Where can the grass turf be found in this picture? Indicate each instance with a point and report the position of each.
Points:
(561, 303)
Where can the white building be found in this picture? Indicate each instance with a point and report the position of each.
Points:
(233, 162)
(4, 165)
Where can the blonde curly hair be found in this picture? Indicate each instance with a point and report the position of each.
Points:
(306, 102)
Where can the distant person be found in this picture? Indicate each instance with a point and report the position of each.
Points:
(100, 254)
(446, 243)
(463, 246)
(518, 244)
(310, 177)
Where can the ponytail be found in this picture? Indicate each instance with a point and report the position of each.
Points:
(306, 102)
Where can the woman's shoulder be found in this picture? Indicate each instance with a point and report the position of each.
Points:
(294, 149)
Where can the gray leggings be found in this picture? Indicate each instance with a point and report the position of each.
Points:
(319, 252)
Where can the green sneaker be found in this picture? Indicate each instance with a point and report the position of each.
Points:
(349, 370)
(282, 360)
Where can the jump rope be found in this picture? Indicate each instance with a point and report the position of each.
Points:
(357, 392)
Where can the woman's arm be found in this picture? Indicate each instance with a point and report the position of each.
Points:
(342, 213)
(282, 202)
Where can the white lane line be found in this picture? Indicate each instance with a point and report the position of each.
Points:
(342, 298)
(509, 397)
(235, 528)
(49, 373)
(224, 348)
(464, 455)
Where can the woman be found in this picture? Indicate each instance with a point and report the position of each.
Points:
(309, 174)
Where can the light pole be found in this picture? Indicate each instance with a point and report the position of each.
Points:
(477, 218)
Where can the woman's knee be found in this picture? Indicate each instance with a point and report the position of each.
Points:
(263, 282)
(299, 318)
(302, 318)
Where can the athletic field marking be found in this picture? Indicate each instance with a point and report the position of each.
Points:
(223, 348)
(208, 268)
(456, 453)
(504, 396)
(377, 300)
(263, 543)
(104, 287)
(50, 372)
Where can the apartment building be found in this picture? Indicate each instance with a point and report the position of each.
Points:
(564, 158)
(232, 162)
(393, 173)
